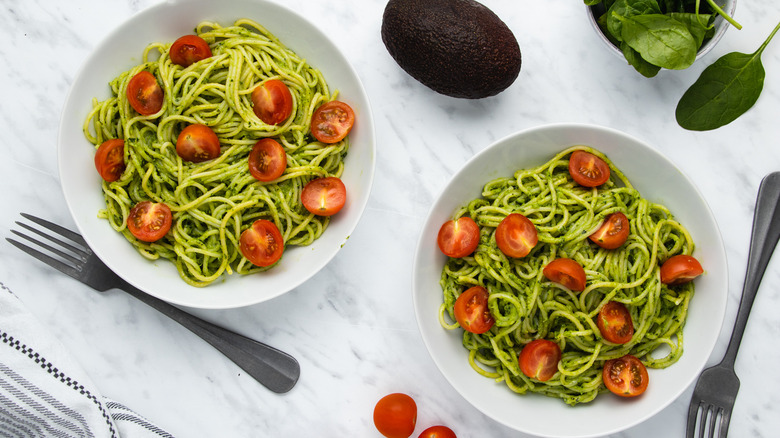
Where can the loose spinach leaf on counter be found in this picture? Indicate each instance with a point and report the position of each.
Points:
(724, 91)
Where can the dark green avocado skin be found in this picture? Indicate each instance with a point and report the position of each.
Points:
(458, 48)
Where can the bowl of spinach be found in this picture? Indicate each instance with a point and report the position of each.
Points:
(656, 34)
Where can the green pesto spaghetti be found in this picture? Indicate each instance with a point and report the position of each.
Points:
(526, 306)
(214, 201)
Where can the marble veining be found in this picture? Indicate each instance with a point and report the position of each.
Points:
(352, 326)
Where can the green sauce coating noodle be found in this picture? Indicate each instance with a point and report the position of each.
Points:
(526, 306)
(214, 201)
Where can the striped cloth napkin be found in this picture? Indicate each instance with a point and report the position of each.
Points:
(44, 392)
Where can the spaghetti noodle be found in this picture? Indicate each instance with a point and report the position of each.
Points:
(213, 201)
(526, 306)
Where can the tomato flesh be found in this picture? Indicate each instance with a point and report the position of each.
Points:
(539, 359)
(197, 143)
(566, 272)
(472, 312)
(458, 238)
(680, 269)
(267, 160)
(332, 121)
(188, 50)
(395, 415)
(110, 159)
(614, 323)
(613, 232)
(324, 196)
(272, 102)
(262, 243)
(437, 432)
(516, 235)
(625, 376)
(149, 221)
(587, 169)
(144, 93)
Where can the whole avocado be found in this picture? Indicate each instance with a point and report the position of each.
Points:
(458, 48)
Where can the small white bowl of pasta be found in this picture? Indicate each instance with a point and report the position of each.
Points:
(658, 181)
(219, 103)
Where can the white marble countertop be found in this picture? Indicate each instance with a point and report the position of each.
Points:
(352, 326)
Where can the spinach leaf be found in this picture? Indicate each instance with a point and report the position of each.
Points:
(698, 25)
(724, 91)
(628, 8)
(635, 59)
(660, 39)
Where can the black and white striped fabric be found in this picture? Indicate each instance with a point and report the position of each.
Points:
(44, 392)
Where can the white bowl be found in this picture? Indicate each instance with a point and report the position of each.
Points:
(720, 28)
(657, 179)
(122, 50)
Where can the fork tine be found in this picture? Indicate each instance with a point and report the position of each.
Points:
(713, 411)
(51, 261)
(690, 427)
(724, 423)
(78, 251)
(56, 228)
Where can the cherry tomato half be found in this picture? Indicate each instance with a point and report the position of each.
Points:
(144, 93)
(680, 269)
(539, 359)
(458, 238)
(272, 101)
(587, 169)
(566, 272)
(438, 432)
(149, 221)
(614, 323)
(324, 196)
(395, 415)
(332, 121)
(516, 235)
(625, 376)
(613, 233)
(472, 312)
(188, 50)
(110, 159)
(197, 143)
(267, 161)
(262, 243)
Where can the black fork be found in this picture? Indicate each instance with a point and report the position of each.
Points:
(69, 253)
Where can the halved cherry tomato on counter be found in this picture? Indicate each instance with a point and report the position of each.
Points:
(539, 359)
(516, 235)
(625, 376)
(680, 269)
(614, 322)
(438, 432)
(587, 169)
(566, 272)
(395, 415)
(149, 221)
(472, 312)
(272, 101)
(197, 143)
(613, 233)
(458, 238)
(144, 93)
(188, 50)
(110, 159)
(267, 160)
(324, 196)
(262, 243)
(332, 121)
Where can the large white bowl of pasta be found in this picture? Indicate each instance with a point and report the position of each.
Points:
(214, 194)
(555, 320)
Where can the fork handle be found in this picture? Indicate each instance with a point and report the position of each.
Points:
(764, 237)
(274, 369)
